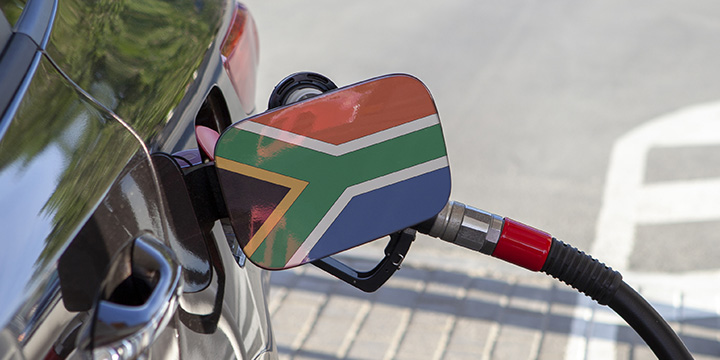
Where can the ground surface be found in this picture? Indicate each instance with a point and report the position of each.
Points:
(596, 121)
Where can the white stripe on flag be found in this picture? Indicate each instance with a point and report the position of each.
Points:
(352, 191)
(344, 148)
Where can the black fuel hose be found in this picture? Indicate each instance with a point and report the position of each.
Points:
(537, 250)
(605, 285)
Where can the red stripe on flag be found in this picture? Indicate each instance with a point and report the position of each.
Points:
(381, 104)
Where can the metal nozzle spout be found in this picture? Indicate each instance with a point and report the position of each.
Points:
(465, 226)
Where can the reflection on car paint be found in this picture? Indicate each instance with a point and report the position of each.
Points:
(82, 185)
(55, 171)
(136, 57)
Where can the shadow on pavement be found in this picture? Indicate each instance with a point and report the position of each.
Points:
(509, 301)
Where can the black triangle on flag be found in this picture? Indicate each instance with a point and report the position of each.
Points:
(253, 200)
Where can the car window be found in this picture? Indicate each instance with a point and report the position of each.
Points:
(5, 32)
(12, 10)
(24, 29)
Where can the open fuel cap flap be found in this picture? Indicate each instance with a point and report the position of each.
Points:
(324, 175)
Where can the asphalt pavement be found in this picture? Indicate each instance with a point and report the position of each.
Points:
(596, 121)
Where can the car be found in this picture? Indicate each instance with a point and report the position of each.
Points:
(112, 243)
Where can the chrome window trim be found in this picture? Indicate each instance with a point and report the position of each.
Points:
(36, 20)
(34, 23)
(13, 93)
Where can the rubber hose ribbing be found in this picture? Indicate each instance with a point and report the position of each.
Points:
(582, 272)
(605, 285)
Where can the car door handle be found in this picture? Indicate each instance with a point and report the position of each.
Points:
(126, 325)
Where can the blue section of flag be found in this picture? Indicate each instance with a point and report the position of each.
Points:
(411, 201)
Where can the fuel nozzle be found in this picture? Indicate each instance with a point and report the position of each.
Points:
(524, 246)
(490, 234)
(466, 226)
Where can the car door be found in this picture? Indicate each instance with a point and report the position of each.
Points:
(79, 198)
(103, 252)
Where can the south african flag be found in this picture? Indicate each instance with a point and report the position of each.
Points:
(321, 176)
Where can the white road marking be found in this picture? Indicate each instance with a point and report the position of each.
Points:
(685, 201)
(627, 202)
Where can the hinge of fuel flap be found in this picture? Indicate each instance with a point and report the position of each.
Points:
(204, 191)
(372, 280)
(202, 183)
